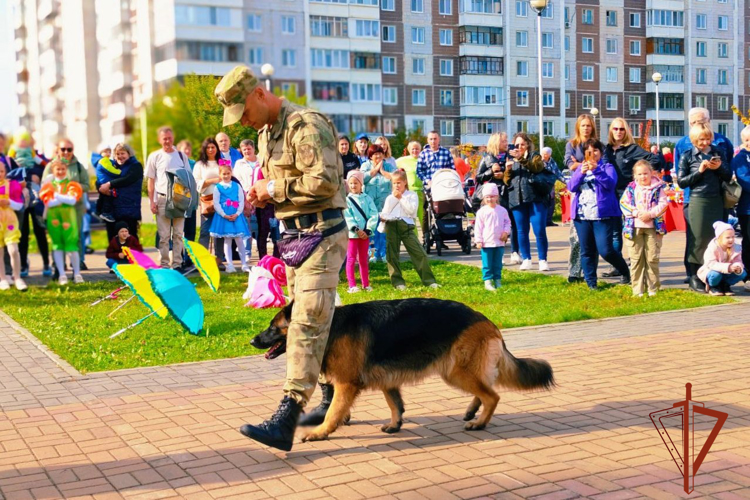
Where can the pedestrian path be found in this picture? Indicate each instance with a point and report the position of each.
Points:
(171, 432)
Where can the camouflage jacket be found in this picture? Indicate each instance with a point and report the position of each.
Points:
(299, 154)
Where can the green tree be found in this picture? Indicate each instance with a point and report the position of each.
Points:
(402, 138)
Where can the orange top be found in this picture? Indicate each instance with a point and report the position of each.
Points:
(65, 186)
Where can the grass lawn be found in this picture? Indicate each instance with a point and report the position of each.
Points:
(63, 320)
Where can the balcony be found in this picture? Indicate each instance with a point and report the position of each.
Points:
(481, 65)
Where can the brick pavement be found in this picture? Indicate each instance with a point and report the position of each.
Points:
(170, 432)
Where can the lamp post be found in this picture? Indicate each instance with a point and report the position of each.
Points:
(656, 77)
(267, 70)
(539, 6)
(595, 112)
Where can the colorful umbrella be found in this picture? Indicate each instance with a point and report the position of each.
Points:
(205, 263)
(139, 258)
(136, 279)
(179, 296)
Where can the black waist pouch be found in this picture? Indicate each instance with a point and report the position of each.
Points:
(296, 246)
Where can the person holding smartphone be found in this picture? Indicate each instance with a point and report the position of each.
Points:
(702, 169)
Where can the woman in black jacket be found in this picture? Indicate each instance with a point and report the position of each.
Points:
(702, 169)
(491, 169)
(351, 161)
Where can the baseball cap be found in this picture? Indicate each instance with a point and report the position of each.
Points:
(362, 135)
(232, 91)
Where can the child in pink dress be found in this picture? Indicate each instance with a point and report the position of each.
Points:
(491, 231)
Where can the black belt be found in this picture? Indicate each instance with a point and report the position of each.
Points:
(309, 220)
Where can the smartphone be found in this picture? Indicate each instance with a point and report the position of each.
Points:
(511, 147)
(589, 156)
(716, 159)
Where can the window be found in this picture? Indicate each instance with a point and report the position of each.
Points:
(288, 25)
(481, 95)
(723, 77)
(547, 41)
(722, 103)
(365, 60)
(669, 73)
(723, 23)
(481, 65)
(366, 92)
(522, 98)
(329, 26)
(548, 128)
(701, 22)
(611, 18)
(635, 75)
(567, 100)
(548, 99)
(670, 46)
(446, 37)
(389, 34)
(253, 23)
(417, 35)
(202, 16)
(611, 75)
(587, 16)
(522, 126)
(417, 6)
(390, 96)
(567, 43)
(522, 39)
(289, 58)
(330, 91)
(389, 65)
(723, 49)
(446, 128)
(418, 97)
(522, 8)
(417, 66)
(635, 47)
(587, 73)
(666, 18)
(329, 58)
(389, 5)
(700, 49)
(389, 126)
(522, 68)
(611, 45)
(255, 56)
(548, 12)
(446, 67)
(636, 129)
(700, 101)
(611, 102)
(723, 129)
(700, 76)
(373, 3)
(635, 19)
(480, 35)
(445, 7)
(548, 70)
(634, 103)
(290, 88)
(587, 101)
(446, 97)
(364, 28)
(481, 6)
(417, 124)
(587, 45)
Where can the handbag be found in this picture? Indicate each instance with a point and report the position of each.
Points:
(732, 192)
(296, 246)
(207, 204)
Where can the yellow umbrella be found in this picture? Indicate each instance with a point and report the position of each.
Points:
(137, 280)
(205, 263)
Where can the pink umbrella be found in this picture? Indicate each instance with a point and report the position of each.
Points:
(274, 266)
(266, 293)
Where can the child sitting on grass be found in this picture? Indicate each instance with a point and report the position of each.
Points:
(361, 217)
(123, 238)
(491, 231)
(722, 263)
(399, 213)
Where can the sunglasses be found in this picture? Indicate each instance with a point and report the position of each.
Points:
(66, 150)
(618, 129)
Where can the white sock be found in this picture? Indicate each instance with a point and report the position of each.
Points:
(241, 250)
(15, 260)
(228, 251)
(75, 261)
(59, 258)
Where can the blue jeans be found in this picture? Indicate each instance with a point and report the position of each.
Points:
(534, 214)
(596, 239)
(112, 262)
(378, 240)
(715, 278)
(492, 263)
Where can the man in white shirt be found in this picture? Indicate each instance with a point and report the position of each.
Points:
(247, 171)
(158, 184)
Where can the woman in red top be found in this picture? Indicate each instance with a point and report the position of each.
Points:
(462, 167)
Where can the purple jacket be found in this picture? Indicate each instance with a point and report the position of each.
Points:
(605, 181)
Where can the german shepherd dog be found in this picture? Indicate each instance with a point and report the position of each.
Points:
(388, 343)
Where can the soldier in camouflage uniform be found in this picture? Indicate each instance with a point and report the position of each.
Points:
(303, 179)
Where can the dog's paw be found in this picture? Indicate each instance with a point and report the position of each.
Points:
(474, 426)
(469, 415)
(348, 419)
(391, 429)
(314, 436)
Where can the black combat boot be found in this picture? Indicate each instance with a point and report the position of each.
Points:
(277, 431)
(318, 414)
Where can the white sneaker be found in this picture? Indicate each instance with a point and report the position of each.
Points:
(525, 265)
(78, 279)
(21, 285)
(245, 268)
(747, 286)
(230, 269)
(4, 285)
(63, 280)
(652, 294)
(353, 289)
(434, 286)
(368, 289)
(489, 286)
(543, 266)
(401, 287)
(515, 258)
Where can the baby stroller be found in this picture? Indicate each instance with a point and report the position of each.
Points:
(446, 212)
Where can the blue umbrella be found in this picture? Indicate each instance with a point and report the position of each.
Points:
(179, 296)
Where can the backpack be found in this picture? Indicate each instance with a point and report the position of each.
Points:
(182, 191)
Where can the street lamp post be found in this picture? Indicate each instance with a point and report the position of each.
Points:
(539, 6)
(267, 70)
(656, 77)
(595, 112)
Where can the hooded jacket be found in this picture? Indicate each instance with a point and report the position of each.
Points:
(637, 198)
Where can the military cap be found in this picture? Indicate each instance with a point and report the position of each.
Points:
(232, 91)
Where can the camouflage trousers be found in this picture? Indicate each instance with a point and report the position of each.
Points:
(312, 286)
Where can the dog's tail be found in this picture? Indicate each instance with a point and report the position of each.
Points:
(524, 373)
